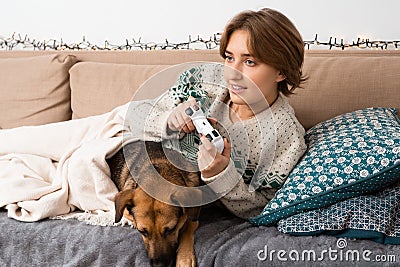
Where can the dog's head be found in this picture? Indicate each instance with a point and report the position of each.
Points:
(160, 224)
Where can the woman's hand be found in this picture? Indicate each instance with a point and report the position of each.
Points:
(178, 120)
(209, 160)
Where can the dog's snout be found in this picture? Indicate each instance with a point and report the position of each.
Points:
(162, 262)
(162, 256)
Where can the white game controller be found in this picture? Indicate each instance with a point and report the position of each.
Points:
(204, 127)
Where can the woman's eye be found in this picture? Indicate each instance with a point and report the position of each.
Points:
(250, 62)
(228, 58)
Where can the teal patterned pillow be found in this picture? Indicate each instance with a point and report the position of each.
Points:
(347, 156)
(375, 217)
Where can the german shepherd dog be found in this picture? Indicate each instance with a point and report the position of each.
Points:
(167, 230)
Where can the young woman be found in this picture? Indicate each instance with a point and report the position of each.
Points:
(263, 55)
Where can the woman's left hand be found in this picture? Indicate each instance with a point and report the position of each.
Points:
(209, 160)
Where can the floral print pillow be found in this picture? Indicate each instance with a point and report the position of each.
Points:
(350, 155)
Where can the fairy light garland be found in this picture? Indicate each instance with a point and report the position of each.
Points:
(17, 42)
(360, 43)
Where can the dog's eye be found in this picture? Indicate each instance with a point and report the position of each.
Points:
(129, 208)
(169, 231)
(144, 232)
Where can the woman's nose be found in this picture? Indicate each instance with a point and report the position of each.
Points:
(232, 73)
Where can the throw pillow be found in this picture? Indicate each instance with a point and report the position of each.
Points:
(350, 155)
(375, 217)
(35, 90)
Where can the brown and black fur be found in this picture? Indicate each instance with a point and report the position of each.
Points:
(167, 230)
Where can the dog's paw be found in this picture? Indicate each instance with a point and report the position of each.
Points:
(185, 260)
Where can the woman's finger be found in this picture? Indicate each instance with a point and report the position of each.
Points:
(203, 160)
(173, 123)
(227, 148)
(184, 122)
(207, 148)
(213, 121)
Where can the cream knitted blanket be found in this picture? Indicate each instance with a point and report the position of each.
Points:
(58, 168)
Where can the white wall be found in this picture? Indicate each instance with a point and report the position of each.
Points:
(156, 20)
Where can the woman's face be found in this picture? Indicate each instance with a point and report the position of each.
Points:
(250, 82)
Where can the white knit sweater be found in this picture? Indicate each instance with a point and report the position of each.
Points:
(265, 148)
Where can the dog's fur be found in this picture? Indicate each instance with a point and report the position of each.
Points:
(167, 230)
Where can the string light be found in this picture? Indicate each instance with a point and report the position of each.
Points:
(359, 44)
(16, 42)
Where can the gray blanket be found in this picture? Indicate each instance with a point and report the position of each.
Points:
(221, 240)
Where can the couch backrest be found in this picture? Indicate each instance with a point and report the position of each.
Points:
(339, 81)
(344, 81)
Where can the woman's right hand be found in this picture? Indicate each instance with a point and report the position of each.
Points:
(178, 120)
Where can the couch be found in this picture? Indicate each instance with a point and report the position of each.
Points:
(39, 87)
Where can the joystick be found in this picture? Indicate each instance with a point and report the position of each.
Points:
(204, 127)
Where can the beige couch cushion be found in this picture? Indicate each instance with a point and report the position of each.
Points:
(338, 85)
(99, 87)
(34, 90)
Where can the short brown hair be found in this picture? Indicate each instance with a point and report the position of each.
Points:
(274, 40)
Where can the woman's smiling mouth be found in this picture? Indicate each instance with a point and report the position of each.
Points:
(237, 89)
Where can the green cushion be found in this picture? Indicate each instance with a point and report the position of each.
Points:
(347, 156)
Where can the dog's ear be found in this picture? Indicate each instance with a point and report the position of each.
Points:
(122, 200)
(179, 198)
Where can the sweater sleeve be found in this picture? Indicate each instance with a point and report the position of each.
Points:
(147, 119)
(239, 198)
(236, 195)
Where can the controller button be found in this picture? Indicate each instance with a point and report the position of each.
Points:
(196, 107)
(215, 133)
(209, 137)
(189, 111)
